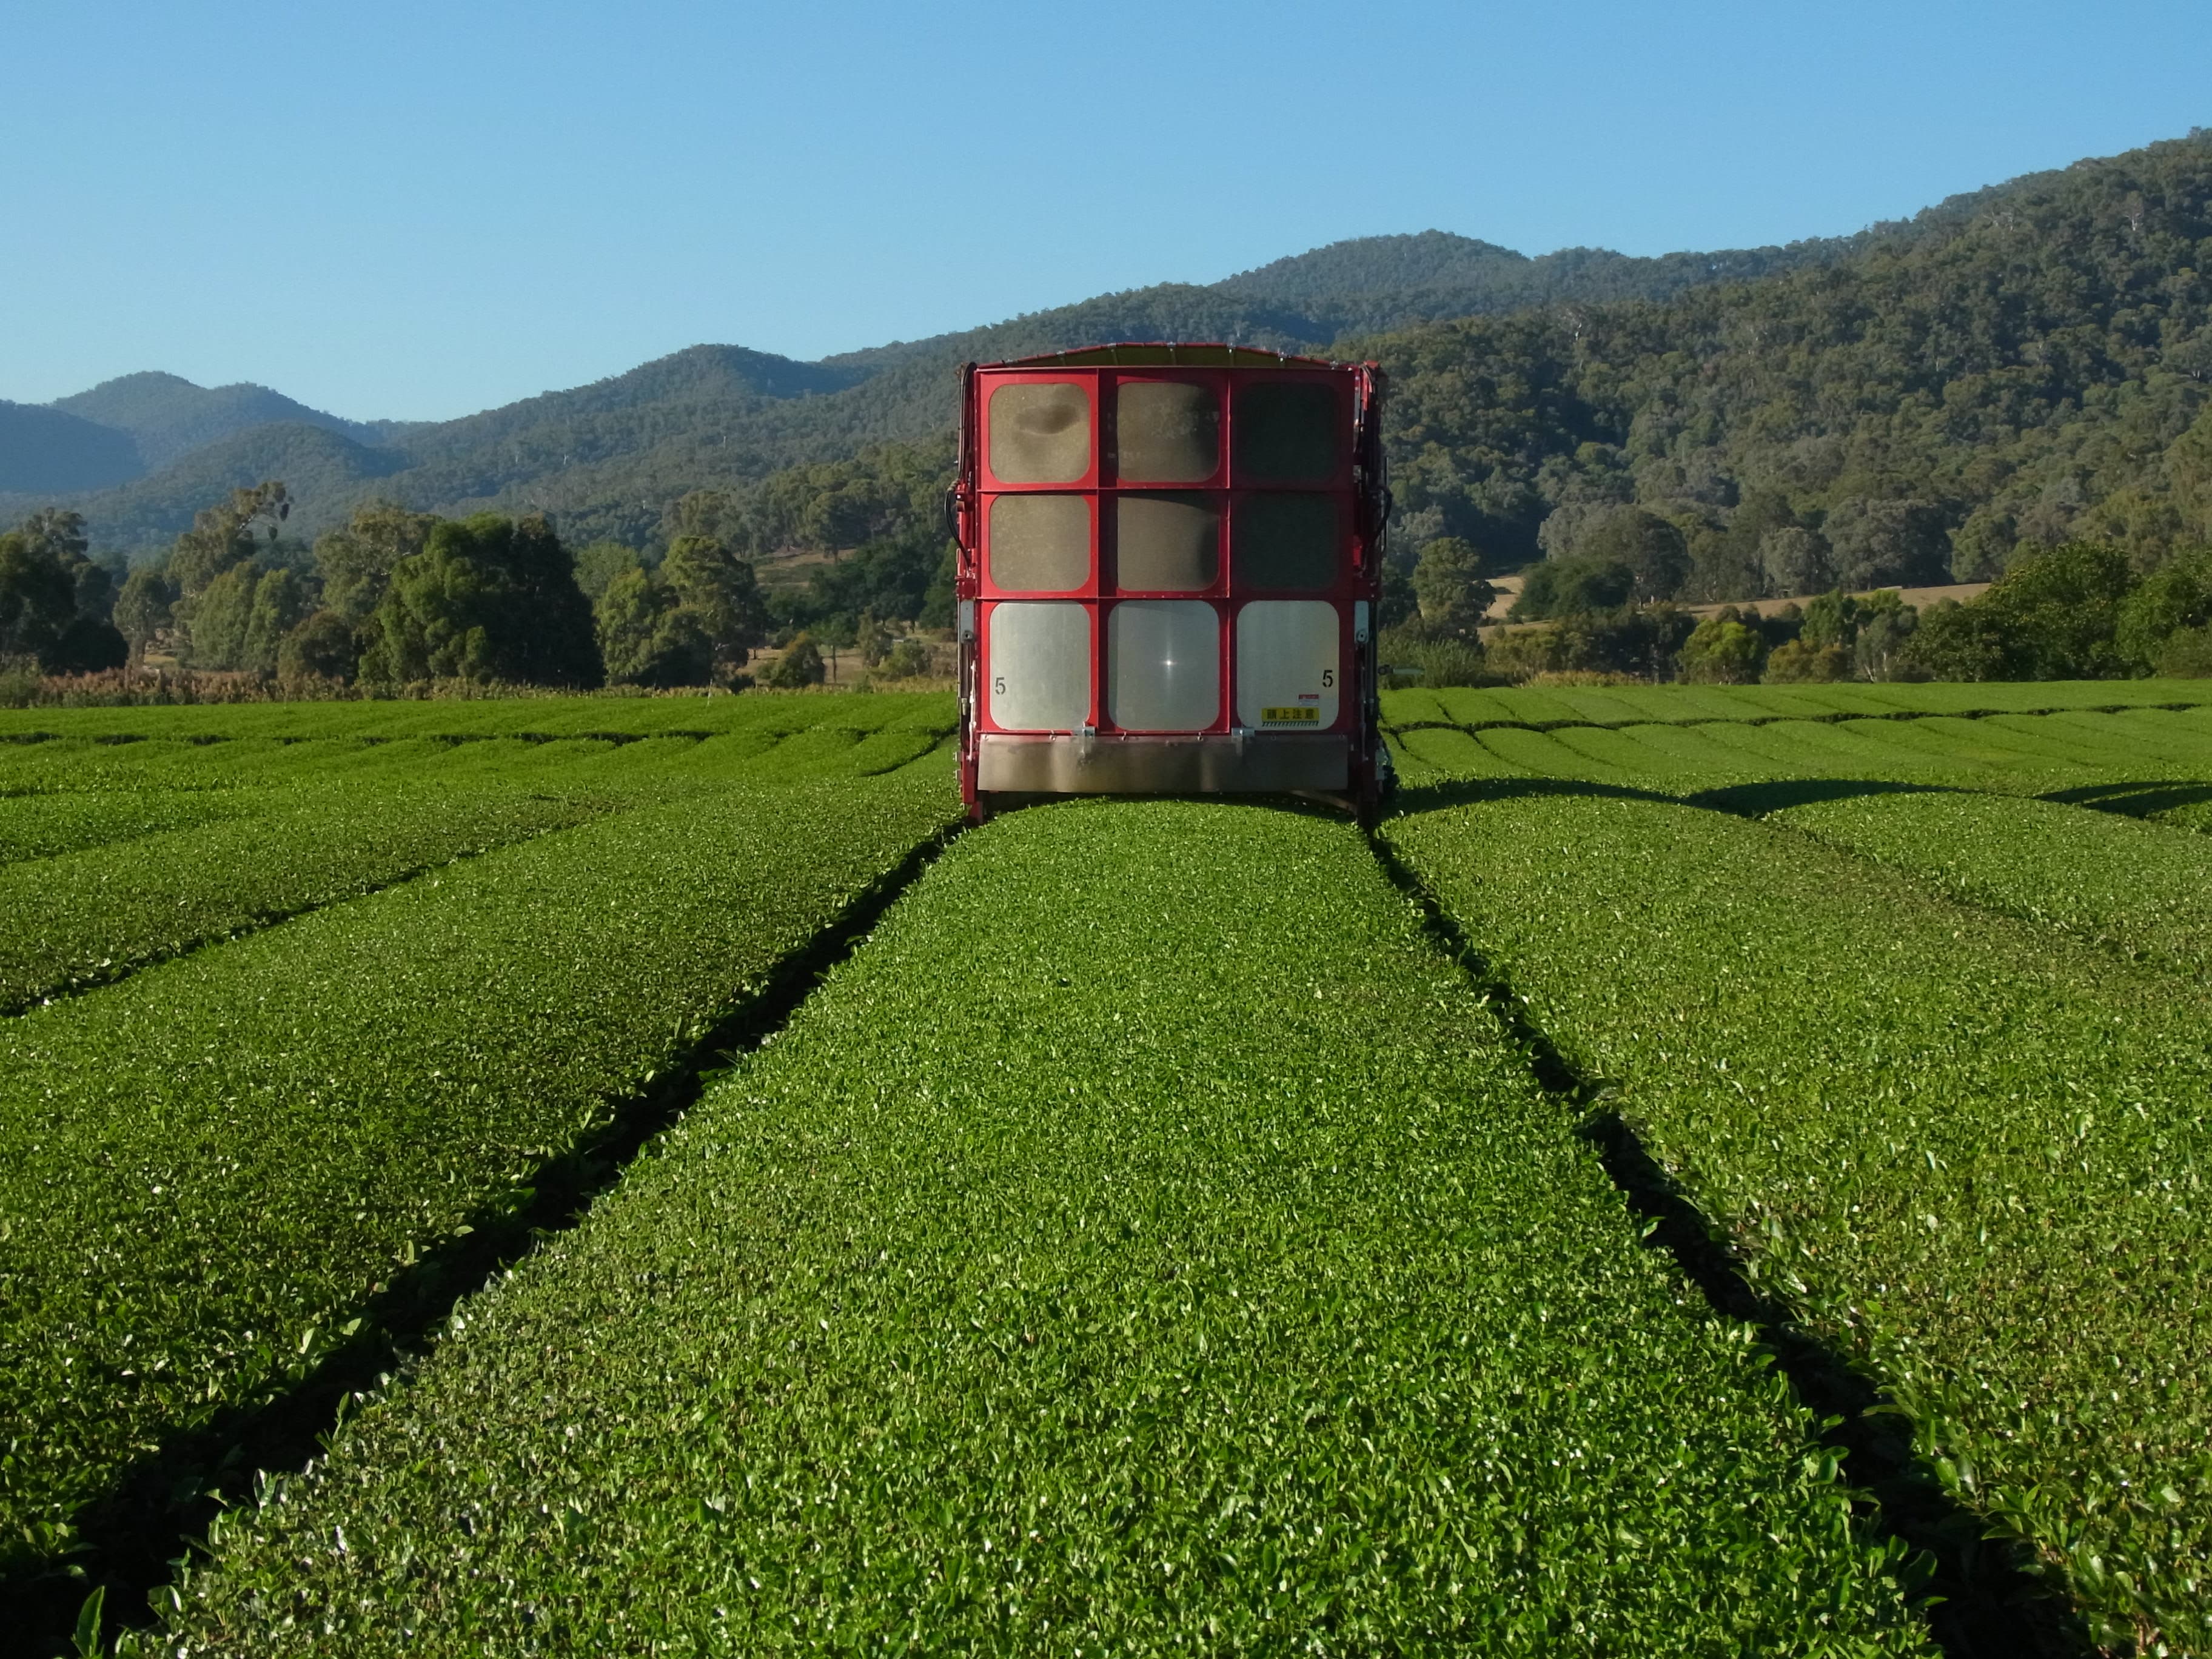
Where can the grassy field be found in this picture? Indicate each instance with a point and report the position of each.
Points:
(1157, 1235)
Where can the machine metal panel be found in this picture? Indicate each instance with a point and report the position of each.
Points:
(1164, 664)
(1253, 764)
(1290, 665)
(1038, 656)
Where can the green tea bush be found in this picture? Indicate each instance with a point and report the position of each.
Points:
(2135, 888)
(1974, 1155)
(207, 1170)
(1143, 1244)
(98, 914)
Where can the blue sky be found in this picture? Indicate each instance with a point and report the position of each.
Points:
(418, 211)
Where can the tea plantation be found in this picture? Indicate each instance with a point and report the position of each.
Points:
(1721, 1170)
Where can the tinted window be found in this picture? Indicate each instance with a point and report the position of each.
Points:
(1285, 541)
(1040, 433)
(1287, 430)
(1040, 544)
(1166, 432)
(1167, 543)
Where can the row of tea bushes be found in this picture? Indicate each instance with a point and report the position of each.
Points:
(2135, 889)
(1136, 1247)
(1971, 1152)
(45, 825)
(207, 1170)
(81, 917)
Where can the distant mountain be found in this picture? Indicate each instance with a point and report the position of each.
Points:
(325, 469)
(167, 416)
(610, 457)
(1382, 283)
(45, 449)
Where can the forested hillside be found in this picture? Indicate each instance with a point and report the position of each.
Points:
(2020, 364)
(167, 416)
(2033, 371)
(607, 458)
(50, 449)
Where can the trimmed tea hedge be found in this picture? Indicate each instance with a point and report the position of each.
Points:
(97, 915)
(1140, 1246)
(2132, 888)
(205, 1169)
(1972, 1153)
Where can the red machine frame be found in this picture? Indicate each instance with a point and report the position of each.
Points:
(1343, 761)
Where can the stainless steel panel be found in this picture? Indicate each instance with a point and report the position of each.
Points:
(1212, 764)
(1164, 664)
(1039, 662)
(1289, 671)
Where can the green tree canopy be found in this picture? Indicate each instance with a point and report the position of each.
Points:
(1654, 551)
(718, 589)
(598, 564)
(490, 599)
(1723, 651)
(1449, 588)
(240, 619)
(356, 560)
(144, 608)
(1563, 587)
(226, 535)
(2178, 596)
(649, 636)
(323, 647)
(800, 666)
(50, 612)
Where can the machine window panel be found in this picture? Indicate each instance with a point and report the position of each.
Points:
(1164, 664)
(1167, 543)
(1039, 432)
(1288, 431)
(1166, 432)
(1038, 657)
(1288, 540)
(1040, 544)
(1290, 667)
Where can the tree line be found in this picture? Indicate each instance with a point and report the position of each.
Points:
(2080, 610)
(395, 596)
(391, 598)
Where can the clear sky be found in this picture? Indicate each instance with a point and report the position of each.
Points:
(417, 210)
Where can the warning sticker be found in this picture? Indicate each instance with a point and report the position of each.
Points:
(1292, 715)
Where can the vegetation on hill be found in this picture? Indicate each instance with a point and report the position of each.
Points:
(2013, 371)
(2033, 372)
(718, 416)
(51, 450)
(167, 416)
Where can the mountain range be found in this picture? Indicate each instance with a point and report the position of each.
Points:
(2053, 289)
(140, 455)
